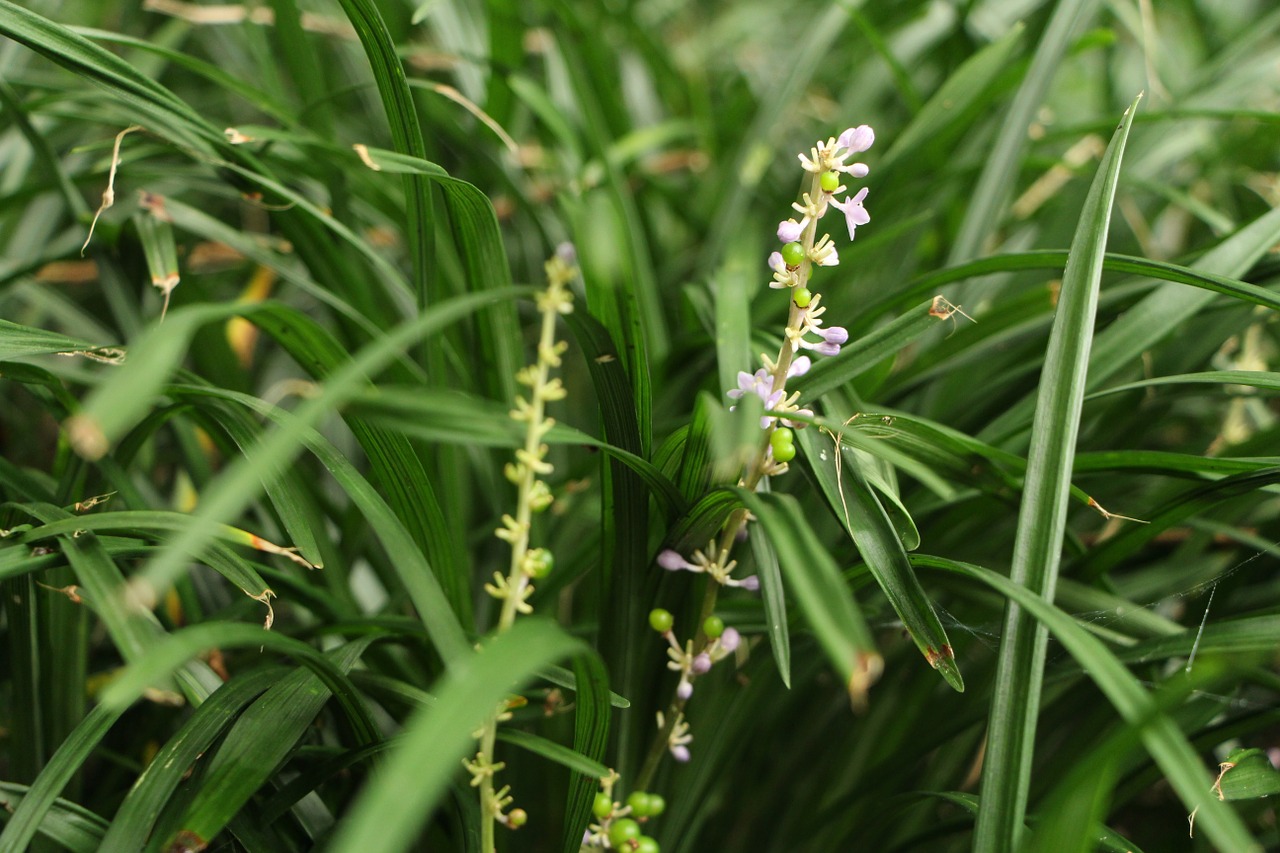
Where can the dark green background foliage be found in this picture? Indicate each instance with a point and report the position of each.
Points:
(363, 420)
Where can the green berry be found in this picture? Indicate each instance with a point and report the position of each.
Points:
(639, 803)
(661, 620)
(603, 805)
(647, 845)
(785, 453)
(830, 181)
(713, 626)
(802, 297)
(517, 818)
(792, 254)
(623, 831)
(781, 437)
(657, 805)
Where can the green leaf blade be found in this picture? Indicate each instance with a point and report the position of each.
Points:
(1042, 518)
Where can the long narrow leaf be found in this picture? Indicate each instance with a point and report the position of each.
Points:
(1042, 517)
(590, 739)
(136, 815)
(863, 517)
(1161, 735)
(398, 801)
(995, 184)
(819, 591)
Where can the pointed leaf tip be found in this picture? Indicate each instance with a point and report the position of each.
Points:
(944, 661)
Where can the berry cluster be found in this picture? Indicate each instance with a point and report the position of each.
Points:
(619, 826)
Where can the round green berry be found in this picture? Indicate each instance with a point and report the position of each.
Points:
(661, 620)
(713, 626)
(657, 805)
(830, 182)
(792, 254)
(639, 803)
(785, 453)
(781, 437)
(647, 845)
(623, 831)
(603, 805)
(517, 818)
(801, 297)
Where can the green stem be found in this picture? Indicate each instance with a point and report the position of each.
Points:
(488, 811)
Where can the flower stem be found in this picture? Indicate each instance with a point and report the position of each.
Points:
(514, 589)
(738, 519)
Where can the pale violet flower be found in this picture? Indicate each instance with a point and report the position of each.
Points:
(730, 639)
(701, 664)
(568, 253)
(759, 383)
(783, 276)
(673, 562)
(684, 690)
(799, 367)
(854, 213)
(830, 257)
(789, 230)
(832, 338)
(855, 140)
(680, 753)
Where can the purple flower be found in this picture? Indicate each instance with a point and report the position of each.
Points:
(854, 213)
(855, 140)
(789, 231)
(751, 583)
(799, 367)
(684, 690)
(730, 639)
(776, 263)
(759, 383)
(673, 562)
(680, 753)
(832, 338)
(701, 664)
(834, 334)
(567, 253)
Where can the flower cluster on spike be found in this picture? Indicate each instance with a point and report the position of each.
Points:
(620, 826)
(533, 495)
(828, 165)
(530, 464)
(716, 642)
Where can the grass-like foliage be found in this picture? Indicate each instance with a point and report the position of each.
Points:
(369, 480)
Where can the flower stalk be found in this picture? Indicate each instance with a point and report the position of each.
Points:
(792, 266)
(527, 564)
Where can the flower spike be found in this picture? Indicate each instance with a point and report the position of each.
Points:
(804, 250)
